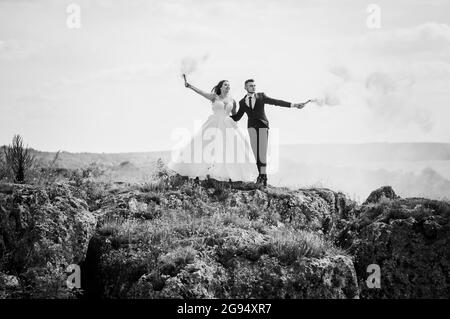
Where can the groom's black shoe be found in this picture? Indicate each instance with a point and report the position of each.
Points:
(264, 180)
(258, 181)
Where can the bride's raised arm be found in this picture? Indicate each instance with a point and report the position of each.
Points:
(209, 96)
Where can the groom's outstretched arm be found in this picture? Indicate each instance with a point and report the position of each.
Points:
(269, 100)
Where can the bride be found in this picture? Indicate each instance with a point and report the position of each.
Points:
(219, 149)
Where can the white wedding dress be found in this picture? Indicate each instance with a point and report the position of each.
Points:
(219, 150)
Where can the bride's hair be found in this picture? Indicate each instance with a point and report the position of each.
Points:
(217, 88)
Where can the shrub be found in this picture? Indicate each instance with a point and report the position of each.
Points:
(154, 186)
(48, 174)
(4, 171)
(19, 159)
(93, 170)
(161, 170)
(180, 256)
(290, 245)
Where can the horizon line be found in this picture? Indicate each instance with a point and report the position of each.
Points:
(287, 144)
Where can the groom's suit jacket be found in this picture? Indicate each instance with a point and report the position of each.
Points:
(257, 117)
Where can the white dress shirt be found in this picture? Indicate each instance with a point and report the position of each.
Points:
(247, 99)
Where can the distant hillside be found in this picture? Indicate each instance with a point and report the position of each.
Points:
(296, 152)
(414, 169)
(79, 160)
(367, 152)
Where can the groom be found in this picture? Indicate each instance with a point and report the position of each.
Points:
(258, 125)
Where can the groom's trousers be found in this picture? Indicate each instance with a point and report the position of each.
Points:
(259, 138)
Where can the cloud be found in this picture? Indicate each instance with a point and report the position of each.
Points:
(15, 49)
(340, 72)
(127, 57)
(401, 75)
(190, 64)
(190, 34)
(390, 97)
(122, 74)
(426, 41)
(35, 106)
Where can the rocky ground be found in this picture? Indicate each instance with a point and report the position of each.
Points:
(410, 241)
(42, 232)
(181, 238)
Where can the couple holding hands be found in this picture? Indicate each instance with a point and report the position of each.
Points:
(221, 131)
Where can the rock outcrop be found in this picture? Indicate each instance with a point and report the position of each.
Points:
(380, 194)
(42, 231)
(180, 238)
(409, 239)
(219, 240)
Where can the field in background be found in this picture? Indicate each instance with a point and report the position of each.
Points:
(412, 169)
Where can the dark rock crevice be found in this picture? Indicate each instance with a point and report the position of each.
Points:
(91, 279)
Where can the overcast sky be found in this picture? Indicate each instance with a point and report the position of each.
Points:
(114, 84)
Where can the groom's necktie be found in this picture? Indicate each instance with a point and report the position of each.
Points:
(250, 102)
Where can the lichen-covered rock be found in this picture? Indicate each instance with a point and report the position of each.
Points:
(42, 231)
(382, 193)
(202, 278)
(219, 240)
(9, 286)
(181, 238)
(317, 209)
(243, 268)
(267, 277)
(409, 239)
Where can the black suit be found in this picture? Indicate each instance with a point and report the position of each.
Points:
(258, 125)
(257, 117)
